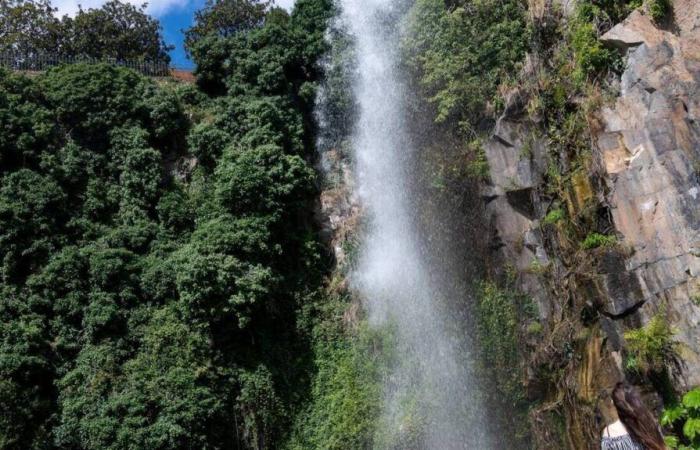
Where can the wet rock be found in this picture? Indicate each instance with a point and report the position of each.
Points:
(513, 155)
(339, 210)
(516, 160)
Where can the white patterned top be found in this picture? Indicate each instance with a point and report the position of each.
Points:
(623, 442)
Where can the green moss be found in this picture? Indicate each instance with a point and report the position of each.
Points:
(536, 267)
(554, 216)
(595, 240)
(695, 299)
(526, 151)
(535, 328)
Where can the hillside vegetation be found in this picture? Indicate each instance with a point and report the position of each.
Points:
(148, 301)
(167, 280)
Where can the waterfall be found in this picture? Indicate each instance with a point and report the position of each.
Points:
(431, 399)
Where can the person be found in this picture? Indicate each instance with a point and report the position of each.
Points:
(636, 427)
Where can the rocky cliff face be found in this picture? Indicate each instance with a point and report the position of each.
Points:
(650, 148)
(644, 181)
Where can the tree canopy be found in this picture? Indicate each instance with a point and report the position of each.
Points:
(28, 26)
(157, 244)
(130, 33)
(462, 51)
(224, 18)
(117, 30)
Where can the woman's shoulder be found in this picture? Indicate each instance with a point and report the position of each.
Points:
(615, 429)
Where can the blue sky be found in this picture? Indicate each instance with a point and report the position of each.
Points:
(174, 21)
(174, 16)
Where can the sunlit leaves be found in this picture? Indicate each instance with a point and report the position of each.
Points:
(462, 54)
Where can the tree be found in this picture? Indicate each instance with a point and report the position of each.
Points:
(224, 18)
(27, 125)
(91, 100)
(165, 396)
(143, 307)
(461, 54)
(31, 212)
(117, 30)
(262, 180)
(25, 375)
(125, 32)
(28, 27)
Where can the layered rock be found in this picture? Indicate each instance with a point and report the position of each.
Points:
(650, 149)
(646, 158)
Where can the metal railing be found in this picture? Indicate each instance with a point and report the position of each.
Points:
(37, 62)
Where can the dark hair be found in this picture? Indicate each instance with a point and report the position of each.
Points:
(636, 417)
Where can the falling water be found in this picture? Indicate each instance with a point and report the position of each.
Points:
(431, 400)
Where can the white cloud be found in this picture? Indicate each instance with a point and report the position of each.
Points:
(155, 7)
(286, 4)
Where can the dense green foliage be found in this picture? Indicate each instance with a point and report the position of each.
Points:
(589, 54)
(277, 59)
(126, 32)
(659, 9)
(463, 52)
(652, 348)
(346, 392)
(686, 416)
(146, 307)
(501, 318)
(117, 30)
(161, 277)
(27, 25)
(595, 240)
(225, 18)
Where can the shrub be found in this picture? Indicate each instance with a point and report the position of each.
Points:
(687, 415)
(658, 9)
(590, 56)
(346, 396)
(478, 166)
(652, 347)
(589, 53)
(462, 54)
(535, 328)
(500, 313)
(695, 299)
(553, 216)
(595, 240)
(92, 99)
